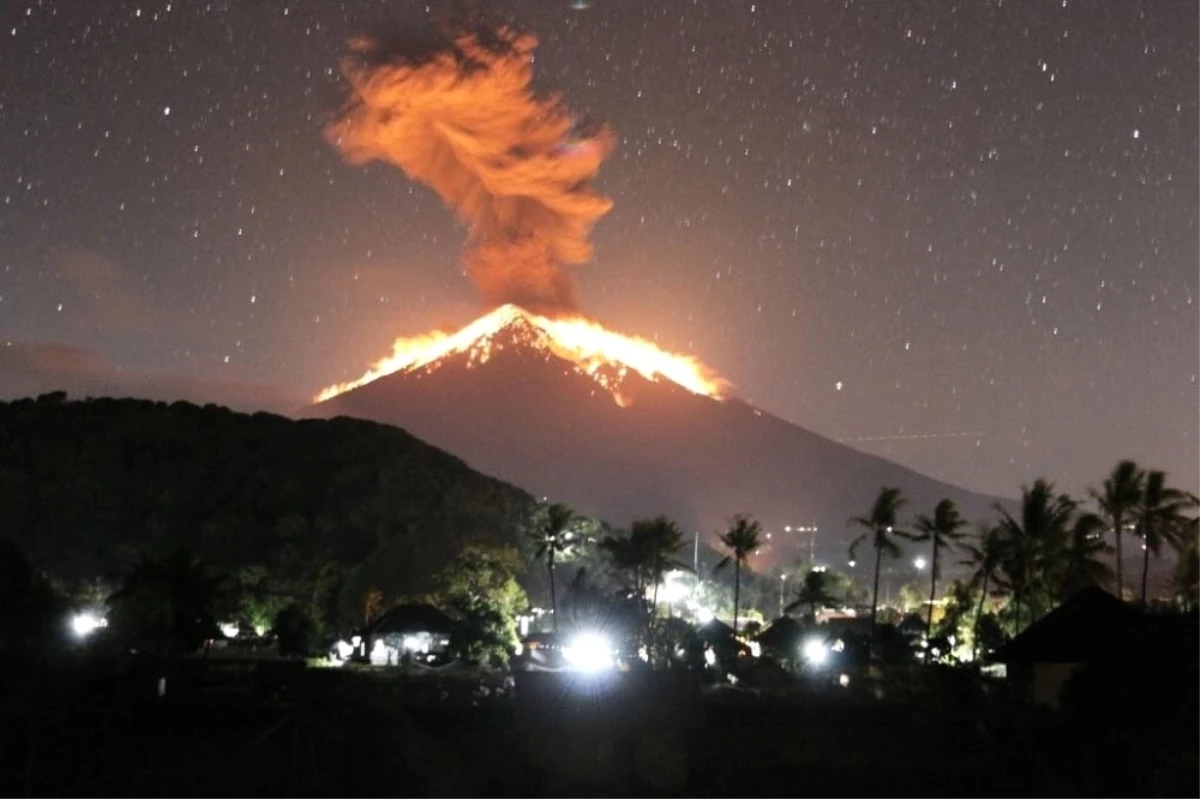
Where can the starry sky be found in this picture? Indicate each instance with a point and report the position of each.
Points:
(959, 235)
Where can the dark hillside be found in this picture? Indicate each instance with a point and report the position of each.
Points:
(327, 508)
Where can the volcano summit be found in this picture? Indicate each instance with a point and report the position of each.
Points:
(622, 430)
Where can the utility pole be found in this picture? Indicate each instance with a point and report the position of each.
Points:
(696, 554)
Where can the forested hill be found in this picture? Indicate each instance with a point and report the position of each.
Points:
(320, 509)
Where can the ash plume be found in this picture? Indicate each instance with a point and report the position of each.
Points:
(453, 108)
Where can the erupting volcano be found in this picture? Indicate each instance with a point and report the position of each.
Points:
(605, 356)
(526, 392)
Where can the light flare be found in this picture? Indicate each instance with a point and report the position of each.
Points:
(605, 356)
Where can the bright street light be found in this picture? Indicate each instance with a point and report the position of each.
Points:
(815, 651)
(589, 652)
(919, 562)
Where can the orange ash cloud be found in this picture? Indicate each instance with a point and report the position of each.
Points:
(460, 117)
(586, 343)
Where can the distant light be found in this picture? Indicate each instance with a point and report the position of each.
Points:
(229, 629)
(853, 563)
(589, 652)
(85, 623)
(815, 651)
(344, 650)
(260, 630)
(844, 680)
(755, 649)
(411, 643)
(919, 562)
(710, 657)
(705, 615)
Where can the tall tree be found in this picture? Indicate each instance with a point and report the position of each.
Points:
(552, 536)
(880, 526)
(741, 539)
(656, 542)
(1034, 541)
(167, 604)
(1082, 564)
(1160, 518)
(1187, 570)
(1118, 501)
(985, 562)
(815, 589)
(944, 530)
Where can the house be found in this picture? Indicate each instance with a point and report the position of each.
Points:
(1092, 627)
(412, 631)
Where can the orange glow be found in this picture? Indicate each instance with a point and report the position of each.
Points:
(603, 355)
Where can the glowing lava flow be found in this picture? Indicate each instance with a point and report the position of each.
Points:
(585, 343)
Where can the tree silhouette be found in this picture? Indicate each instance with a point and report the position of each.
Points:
(880, 526)
(1082, 565)
(1034, 542)
(1160, 517)
(741, 539)
(552, 535)
(985, 562)
(814, 590)
(1118, 501)
(167, 604)
(655, 543)
(943, 530)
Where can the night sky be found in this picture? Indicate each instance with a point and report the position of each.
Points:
(960, 235)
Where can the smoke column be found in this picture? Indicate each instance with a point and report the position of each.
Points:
(456, 112)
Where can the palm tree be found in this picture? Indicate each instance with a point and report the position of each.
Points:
(1118, 502)
(740, 539)
(1033, 544)
(880, 525)
(986, 561)
(814, 590)
(1187, 571)
(1082, 565)
(655, 542)
(168, 604)
(943, 530)
(1159, 517)
(552, 536)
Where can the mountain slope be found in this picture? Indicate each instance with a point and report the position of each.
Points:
(522, 413)
(326, 509)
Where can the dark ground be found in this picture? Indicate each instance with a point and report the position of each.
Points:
(273, 731)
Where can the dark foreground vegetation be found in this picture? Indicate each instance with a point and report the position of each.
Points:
(278, 729)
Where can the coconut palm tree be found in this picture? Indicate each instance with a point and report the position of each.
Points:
(880, 526)
(1159, 517)
(1118, 501)
(656, 542)
(1187, 571)
(985, 561)
(741, 539)
(552, 535)
(943, 529)
(1081, 564)
(1034, 542)
(814, 590)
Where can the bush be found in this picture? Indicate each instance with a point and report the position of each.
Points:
(294, 631)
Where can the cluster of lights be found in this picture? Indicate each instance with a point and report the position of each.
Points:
(87, 622)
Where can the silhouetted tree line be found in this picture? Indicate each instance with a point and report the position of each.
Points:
(314, 514)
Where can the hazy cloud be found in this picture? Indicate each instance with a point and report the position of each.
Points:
(28, 369)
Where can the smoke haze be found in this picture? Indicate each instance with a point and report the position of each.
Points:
(455, 111)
